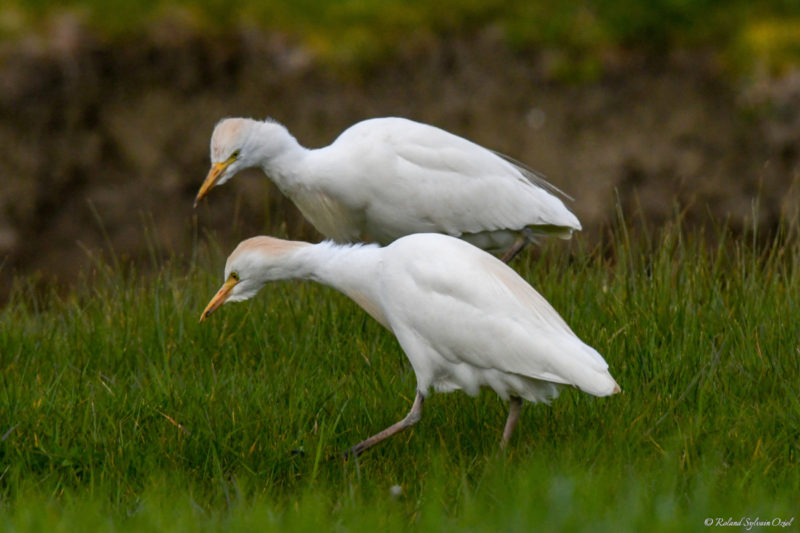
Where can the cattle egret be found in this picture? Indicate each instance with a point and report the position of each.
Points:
(463, 318)
(384, 178)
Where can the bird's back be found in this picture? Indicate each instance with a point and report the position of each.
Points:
(401, 177)
(465, 320)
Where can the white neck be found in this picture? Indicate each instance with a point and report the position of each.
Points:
(278, 154)
(350, 269)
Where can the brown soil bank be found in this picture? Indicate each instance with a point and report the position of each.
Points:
(110, 141)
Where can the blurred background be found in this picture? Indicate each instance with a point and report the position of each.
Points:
(658, 107)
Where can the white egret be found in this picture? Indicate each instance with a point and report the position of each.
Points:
(463, 318)
(384, 178)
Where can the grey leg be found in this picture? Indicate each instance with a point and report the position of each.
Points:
(513, 414)
(516, 248)
(411, 418)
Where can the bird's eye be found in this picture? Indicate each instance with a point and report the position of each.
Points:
(235, 154)
(235, 276)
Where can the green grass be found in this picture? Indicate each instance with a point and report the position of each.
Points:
(119, 411)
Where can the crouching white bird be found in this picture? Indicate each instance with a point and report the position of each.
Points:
(463, 318)
(384, 178)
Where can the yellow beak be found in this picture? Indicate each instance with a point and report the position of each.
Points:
(217, 169)
(219, 298)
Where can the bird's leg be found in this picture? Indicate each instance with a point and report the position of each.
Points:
(516, 248)
(513, 414)
(411, 418)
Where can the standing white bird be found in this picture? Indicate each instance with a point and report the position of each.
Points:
(463, 318)
(384, 178)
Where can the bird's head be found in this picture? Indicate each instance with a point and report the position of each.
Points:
(229, 152)
(252, 264)
(240, 143)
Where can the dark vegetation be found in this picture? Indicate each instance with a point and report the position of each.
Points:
(108, 107)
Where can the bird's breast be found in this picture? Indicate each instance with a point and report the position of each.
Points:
(328, 215)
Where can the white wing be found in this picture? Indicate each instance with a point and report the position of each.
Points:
(471, 308)
(416, 176)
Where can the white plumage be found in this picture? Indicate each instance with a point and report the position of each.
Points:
(463, 318)
(384, 178)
